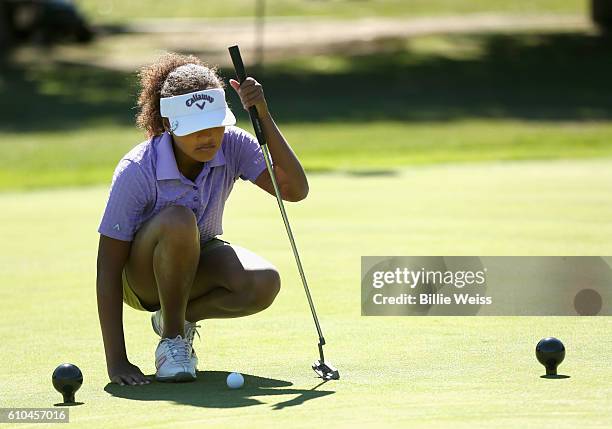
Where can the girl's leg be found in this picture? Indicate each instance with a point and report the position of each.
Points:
(163, 261)
(165, 269)
(231, 282)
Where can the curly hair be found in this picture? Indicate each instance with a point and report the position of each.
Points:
(171, 74)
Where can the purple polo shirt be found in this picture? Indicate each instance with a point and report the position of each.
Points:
(147, 180)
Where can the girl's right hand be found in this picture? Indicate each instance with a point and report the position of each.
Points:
(124, 373)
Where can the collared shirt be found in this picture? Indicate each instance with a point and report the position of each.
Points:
(147, 180)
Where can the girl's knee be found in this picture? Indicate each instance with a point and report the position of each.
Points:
(255, 290)
(177, 222)
(265, 287)
(176, 217)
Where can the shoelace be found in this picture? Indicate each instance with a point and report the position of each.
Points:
(180, 351)
(190, 332)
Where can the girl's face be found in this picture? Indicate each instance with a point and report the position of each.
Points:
(201, 145)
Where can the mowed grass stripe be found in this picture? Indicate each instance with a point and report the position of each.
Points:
(89, 155)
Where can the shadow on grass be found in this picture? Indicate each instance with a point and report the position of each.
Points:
(555, 377)
(358, 174)
(370, 173)
(210, 391)
(68, 404)
(562, 76)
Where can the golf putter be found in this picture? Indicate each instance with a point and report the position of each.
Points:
(323, 369)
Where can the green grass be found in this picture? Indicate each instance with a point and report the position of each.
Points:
(425, 100)
(89, 156)
(477, 372)
(121, 11)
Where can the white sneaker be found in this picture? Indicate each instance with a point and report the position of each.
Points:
(172, 360)
(191, 328)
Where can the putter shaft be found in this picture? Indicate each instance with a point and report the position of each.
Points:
(281, 206)
(241, 74)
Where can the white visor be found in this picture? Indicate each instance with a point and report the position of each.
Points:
(197, 111)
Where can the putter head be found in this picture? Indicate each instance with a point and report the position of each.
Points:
(325, 370)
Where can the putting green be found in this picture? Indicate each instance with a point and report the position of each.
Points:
(396, 372)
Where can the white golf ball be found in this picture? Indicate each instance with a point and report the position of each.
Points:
(235, 380)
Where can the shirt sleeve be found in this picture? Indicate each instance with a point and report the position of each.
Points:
(129, 196)
(247, 156)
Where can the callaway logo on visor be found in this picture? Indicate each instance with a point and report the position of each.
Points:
(194, 100)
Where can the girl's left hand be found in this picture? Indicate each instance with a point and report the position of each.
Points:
(251, 94)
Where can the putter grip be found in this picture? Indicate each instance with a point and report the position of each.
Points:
(241, 75)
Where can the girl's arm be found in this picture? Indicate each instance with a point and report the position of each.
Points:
(290, 175)
(112, 256)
